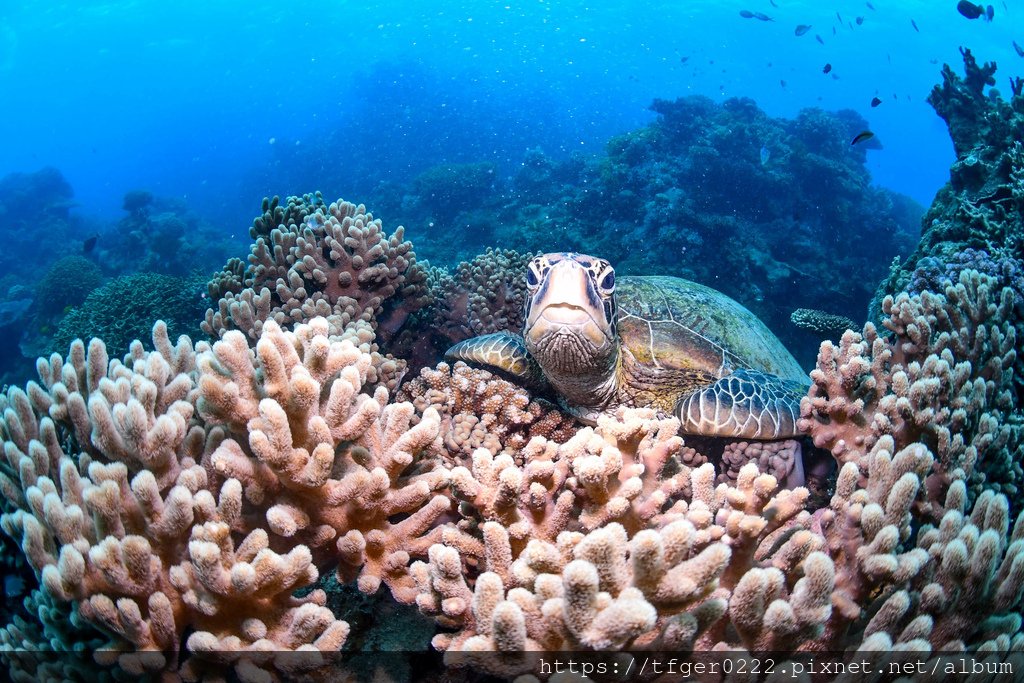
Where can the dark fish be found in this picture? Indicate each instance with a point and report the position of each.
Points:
(746, 14)
(1019, 49)
(870, 6)
(833, 30)
(828, 67)
(839, 17)
(772, 2)
(875, 101)
(818, 38)
(782, 83)
(682, 60)
(802, 29)
(862, 136)
(969, 9)
(914, 24)
(762, 16)
(89, 244)
(990, 13)
(860, 20)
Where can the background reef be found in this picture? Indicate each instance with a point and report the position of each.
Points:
(689, 196)
(180, 504)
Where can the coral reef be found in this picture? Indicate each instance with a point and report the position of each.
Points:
(161, 235)
(688, 196)
(312, 259)
(125, 308)
(186, 501)
(982, 207)
(485, 295)
(480, 410)
(189, 509)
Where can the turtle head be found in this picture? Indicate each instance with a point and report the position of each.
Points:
(570, 314)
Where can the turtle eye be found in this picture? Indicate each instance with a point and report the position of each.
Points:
(607, 281)
(531, 277)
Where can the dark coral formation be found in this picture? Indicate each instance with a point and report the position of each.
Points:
(982, 207)
(126, 307)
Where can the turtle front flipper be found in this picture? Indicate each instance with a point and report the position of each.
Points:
(500, 351)
(746, 404)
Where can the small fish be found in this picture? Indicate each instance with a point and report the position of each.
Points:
(1019, 49)
(818, 38)
(828, 67)
(833, 30)
(89, 244)
(802, 29)
(765, 155)
(682, 60)
(772, 3)
(875, 101)
(862, 136)
(870, 6)
(763, 17)
(914, 24)
(969, 9)
(990, 13)
(839, 17)
(746, 14)
(782, 83)
(860, 21)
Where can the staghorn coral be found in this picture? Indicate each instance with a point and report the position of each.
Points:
(482, 410)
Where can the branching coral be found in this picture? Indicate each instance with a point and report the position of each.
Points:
(944, 378)
(109, 485)
(481, 410)
(311, 259)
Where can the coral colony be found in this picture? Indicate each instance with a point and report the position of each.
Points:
(187, 508)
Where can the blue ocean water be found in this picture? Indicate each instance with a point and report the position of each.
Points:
(222, 103)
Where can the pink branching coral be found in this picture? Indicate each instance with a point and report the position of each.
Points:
(310, 259)
(943, 378)
(134, 525)
(481, 410)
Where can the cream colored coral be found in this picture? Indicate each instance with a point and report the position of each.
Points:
(324, 463)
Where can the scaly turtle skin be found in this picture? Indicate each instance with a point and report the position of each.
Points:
(656, 342)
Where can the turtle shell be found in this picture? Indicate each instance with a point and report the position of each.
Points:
(678, 336)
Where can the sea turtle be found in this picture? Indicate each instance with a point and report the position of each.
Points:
(658, 342)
